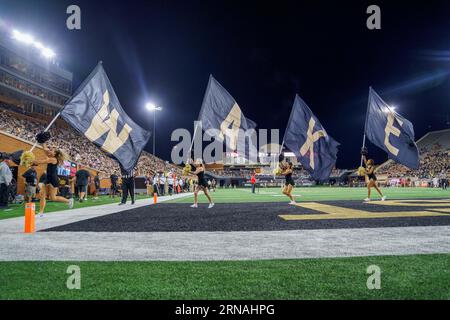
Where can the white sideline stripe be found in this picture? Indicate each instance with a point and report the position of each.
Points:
(59, 218)
(203, 246)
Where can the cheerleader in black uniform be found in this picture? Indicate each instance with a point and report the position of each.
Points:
(371, 179)
(54, 159)
(288, 170)
(198, 169)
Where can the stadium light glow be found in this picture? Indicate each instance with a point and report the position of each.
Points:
(390, 109)
(152, 107)
(48, 53)
(29, 40)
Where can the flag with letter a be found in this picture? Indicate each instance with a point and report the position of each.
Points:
(220, 111)
(389, 131)
(308, 140)
(95, 111)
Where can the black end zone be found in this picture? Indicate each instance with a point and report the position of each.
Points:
(241, 217)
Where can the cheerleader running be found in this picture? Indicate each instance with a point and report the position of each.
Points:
(288, 169)
(54, 158)
(371, 179)
(199, 170)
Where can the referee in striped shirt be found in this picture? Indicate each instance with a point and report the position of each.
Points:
(127, 185)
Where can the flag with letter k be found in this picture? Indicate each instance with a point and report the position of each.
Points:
(95, 112)
(309, 141)
(389, 131)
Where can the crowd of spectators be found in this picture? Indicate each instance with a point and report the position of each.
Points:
(434, 162)
(77, 147)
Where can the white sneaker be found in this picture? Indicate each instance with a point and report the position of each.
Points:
(211, 205)
(383, 198)
(367, 200)
(292, 202)
(70, 203)
(194, 206)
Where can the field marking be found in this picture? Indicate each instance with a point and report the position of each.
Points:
(413, 203)
(219, 246)
(334, 212)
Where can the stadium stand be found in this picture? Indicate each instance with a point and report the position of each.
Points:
(434, 162)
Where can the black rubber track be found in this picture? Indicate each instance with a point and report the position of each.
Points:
(240, 217)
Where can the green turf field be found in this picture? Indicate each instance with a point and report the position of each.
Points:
(17, 210)
(402, 277)
(264, 195)
(316, 194)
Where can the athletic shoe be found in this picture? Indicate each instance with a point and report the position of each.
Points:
(292, 202)
(383, 198)
(121, 203)
(367, 200)
(41, 215)
(194, 206)
(70, 203)
(132, 202)
(211, 205)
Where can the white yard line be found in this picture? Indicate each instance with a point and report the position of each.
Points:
(194, 246)
(54, 219)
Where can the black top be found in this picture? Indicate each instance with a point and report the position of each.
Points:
(201, 175)
(201, 179)
(371, 175)
(82, 177)
(52, 171)
(30, 176)
(289, 179)
(114, 178)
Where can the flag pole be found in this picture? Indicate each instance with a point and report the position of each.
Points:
(192, 143)
(365, 127)
(46, 129)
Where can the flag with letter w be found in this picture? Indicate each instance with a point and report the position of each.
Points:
(96, 113)
(220, 111)
(389, 131)
(308, 140)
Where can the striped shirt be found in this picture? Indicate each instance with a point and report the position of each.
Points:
(128, 174)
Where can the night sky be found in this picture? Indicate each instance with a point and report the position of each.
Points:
(262, 53)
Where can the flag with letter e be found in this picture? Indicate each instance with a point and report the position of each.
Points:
(308, 140)
(220, 111)
(95, 112)
(389, 131)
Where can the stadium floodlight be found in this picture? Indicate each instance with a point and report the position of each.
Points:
(39, 45)
(153, 108)
(23, 37)
(48, 53)
(29, 40)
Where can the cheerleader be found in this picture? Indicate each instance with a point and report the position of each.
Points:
(198, 169)
(55, 158)
(288, 170)
(371, 179)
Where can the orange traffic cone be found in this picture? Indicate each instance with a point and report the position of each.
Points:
(155, 198)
